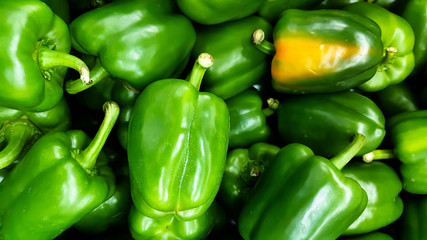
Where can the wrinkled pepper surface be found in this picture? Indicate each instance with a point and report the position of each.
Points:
(382, 186)
(325, 122)
(248, 118)
(136, 41)
(398, 41)
(19, 129)
(170, 227)
(243, 168)
(317, 51)
(211, 12)
(408, 133)
(304, 196)
(177, 146)
(58, 182)
(36, 44)
(238, 65)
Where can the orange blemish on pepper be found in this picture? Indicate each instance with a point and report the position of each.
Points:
(299, 58)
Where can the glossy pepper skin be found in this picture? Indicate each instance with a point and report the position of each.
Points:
(137, 41)
(57, 183)
(308, 44)
(303, 196)
(170, 227)
(20, 129)
(415, 13)
(383, 186)
(238, 65)
(211, 12)
(407, 133)
(271, 9)
(36, 44)
(398, 40)
(177, 146)
(414, 225)
(248, 118)
(243, 168)
(310, 119)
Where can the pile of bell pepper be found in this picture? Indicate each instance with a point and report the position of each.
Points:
(213, 119)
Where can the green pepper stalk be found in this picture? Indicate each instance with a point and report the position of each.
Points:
(57, 183)
(177, 146)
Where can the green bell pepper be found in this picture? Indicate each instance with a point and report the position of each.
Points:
(304, 196)
(408, 132)
(383, 186)
(171, 227)
(238, 65)
(338, 4)
(271, 9)
(243, 168)
(248, 120)
(318, 51)
(311, 119)
(370, 236)
(211, 12)
(57, 183)
(177, 146)
(415, 13)
(395, 99)
(398, 39)
(413, 224)
(133, 41)
(37, 43)
(19, 129)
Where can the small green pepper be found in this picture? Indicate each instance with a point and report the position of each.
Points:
(243, 168)
(248, 120)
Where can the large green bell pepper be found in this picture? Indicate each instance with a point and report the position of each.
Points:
(137, 41)
(311, 119)
(238, 65)
(408, 133)
(322, 50)
(398, 40)
(415, 13)
(177, 146)
(243, 168)
(304, 196)
(413, 224)
(57, 183)
(218, 11)
(33, 66)
(170, 227)
(271, 9)
(248, 119)
(383, 186)
(19, 129)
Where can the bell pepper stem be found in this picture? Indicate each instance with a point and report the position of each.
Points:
(87, 158)
(349, 152)
(390, 55)
(17, 134)
(379, 154)
(258, 39)
(97, 74)
(203, 62)
(48, 58)
(273, 104)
